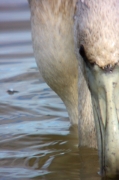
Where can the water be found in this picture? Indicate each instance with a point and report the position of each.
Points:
(36, 137)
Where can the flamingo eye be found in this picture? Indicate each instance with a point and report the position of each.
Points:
(109, 68)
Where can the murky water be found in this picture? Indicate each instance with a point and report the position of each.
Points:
(36, 138)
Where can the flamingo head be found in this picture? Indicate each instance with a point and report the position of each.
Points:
(97, 34)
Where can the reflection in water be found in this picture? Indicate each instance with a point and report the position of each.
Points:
(36, 139)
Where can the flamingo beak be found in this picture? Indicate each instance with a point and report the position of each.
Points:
(104, 88)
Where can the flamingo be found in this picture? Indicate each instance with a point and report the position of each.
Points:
(76, 48)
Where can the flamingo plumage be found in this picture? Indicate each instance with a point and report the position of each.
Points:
(76, 48)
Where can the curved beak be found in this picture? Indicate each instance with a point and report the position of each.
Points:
(104, 88)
